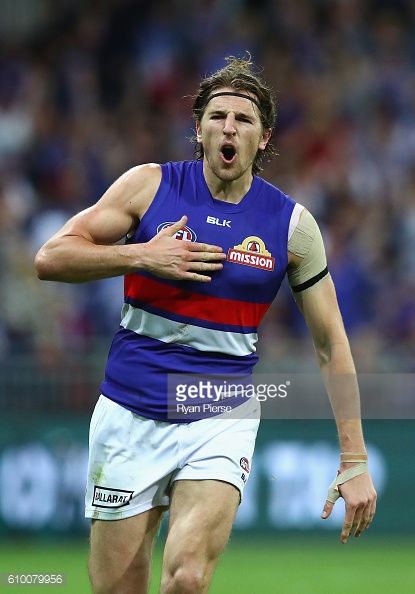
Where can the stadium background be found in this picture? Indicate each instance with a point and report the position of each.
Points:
(89, 89)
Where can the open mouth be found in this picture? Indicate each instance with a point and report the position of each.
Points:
(228, 153)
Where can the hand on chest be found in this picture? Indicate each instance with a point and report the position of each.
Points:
(253, 261)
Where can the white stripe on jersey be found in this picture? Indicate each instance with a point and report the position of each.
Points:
(196, 337)
(295, 217)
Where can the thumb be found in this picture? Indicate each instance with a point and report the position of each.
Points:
(170, 231)
(327, 509)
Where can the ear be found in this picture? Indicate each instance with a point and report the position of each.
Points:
(198, 132)
(266, 135)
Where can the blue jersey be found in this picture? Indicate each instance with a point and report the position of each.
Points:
(185, 327)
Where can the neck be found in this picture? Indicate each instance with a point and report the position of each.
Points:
(232, 190)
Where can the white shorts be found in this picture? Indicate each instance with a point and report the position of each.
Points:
(133, 461)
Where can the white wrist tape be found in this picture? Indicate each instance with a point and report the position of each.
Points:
(343, 477)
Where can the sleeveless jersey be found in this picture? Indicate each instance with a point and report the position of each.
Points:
(173, 327)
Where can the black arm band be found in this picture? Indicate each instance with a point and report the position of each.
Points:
(311, 281)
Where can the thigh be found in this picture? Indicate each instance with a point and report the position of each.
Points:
(201, 518)
(131, 460)
(220, 448)
(121, 552)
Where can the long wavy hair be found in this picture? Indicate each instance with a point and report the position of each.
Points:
(238, 74)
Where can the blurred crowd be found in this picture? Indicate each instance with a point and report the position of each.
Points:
(89, 89)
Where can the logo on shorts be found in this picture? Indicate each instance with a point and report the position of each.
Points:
(104, 497)
(244, 464)
(252, 252)
(184, 234)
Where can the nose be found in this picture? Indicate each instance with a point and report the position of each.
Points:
(229, 126)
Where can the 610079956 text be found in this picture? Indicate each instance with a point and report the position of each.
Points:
(33, 579)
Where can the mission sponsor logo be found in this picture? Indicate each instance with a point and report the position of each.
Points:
(184, 234)
(252, 252)
(104, 497)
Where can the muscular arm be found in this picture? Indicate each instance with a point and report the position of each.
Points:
(320, 309)
(322, 315)
(86, 247)
(321, 312)
(315, 295)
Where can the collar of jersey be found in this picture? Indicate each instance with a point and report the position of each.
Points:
(220, 205)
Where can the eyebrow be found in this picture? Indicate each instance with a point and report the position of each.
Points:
(251, 116)
(222, 111)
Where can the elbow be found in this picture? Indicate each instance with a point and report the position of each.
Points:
(323, 354)
(42, 266)
(335, 355)
(325, 348)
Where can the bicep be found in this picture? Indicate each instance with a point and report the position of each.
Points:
(119, 210)
(322, 314)
(100, 224)
(324, 321)
(311, 283)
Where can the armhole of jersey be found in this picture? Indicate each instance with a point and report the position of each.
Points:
(157, 200)
(162, 189)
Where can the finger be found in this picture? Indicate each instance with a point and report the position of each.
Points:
(204, 266)
(170, 231)
(351, 521)
(364, 523)
(207, 248)
(361, 520)
(194, 276)
(372, 513)
(346, 531)
(358, 526)
(327, 509)
(206, 256)
(367, 518)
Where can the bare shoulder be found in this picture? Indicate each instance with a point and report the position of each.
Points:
(135, 189)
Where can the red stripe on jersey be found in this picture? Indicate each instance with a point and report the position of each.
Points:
(193, 305)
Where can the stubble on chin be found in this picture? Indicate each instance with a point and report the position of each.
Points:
(225, 172)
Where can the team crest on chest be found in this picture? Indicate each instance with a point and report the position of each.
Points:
(184, 234)
(252, 252)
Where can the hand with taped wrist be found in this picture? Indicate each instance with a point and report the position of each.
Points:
(355, 486)
(348, 474)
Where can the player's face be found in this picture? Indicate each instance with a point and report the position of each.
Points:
(231, 133)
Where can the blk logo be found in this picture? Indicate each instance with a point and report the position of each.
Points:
(215, 221)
